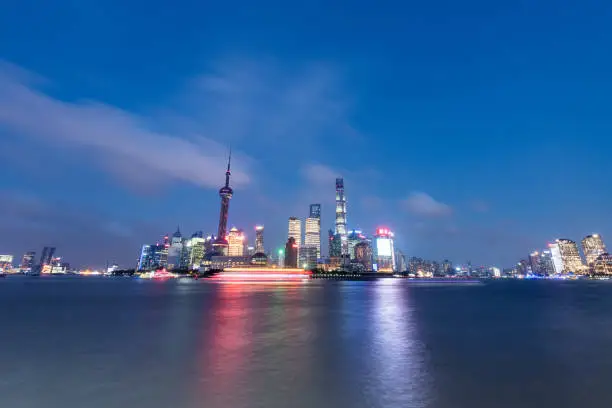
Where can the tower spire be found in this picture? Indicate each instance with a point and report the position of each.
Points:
(228, 172)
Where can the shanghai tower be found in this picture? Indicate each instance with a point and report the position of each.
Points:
(225, 193)
(341, 215)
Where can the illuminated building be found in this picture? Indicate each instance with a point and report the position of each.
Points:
(572, 262)
(400, 262)
(593, 246)
(27, 261)
(308, 257)
(335, 245)
(341, 229)
(259, 239)
(447, 267)
(196, 250)
(225, 193)
(354, 237)
(547, 268)
(153, 256)
(6, 263)
(235, 240)
(557, 261)
(603, 264)
(295, 231)
(384, 252)
(315, 211)
(363, 255)
(175, 250)
(534, 262)
(291, 253)
(312, 229)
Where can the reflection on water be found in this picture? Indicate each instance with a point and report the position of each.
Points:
(118, 343)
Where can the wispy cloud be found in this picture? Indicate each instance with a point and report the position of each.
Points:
(423, 204)
(117, 140)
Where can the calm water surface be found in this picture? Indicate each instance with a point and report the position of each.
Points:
(95, 342)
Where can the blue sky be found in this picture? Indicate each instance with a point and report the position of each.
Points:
(476, 130)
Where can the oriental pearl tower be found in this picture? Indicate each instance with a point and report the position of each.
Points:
(225, 193)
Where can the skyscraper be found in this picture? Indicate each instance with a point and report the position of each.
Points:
(27, 261)
(363, 255)
(534, 262)
(547, 268)
(353, 238)
(384, 252)
(341, 215)
(295, 230)
(315, 211)
(557, 261)
(291, 253)
(259, 239)
(593, 246)
(572, 262)
(225, 193)
(236, 242)
(312, 227)
(335, 244)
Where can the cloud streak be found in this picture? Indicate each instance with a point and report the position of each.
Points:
(117, 140)
(423, 204)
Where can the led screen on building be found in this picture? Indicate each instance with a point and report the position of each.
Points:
(383, 247)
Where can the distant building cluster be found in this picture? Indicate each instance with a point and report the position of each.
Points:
(562, 258)
(48, 263)
(349, 250)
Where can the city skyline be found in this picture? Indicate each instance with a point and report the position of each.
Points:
(447, 124)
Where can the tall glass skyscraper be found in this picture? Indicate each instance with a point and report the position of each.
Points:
(312, 229)
(259, 239)
(341, 215)
(295, 231)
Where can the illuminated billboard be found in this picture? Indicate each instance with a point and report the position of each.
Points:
(6, 258)
(384, 247)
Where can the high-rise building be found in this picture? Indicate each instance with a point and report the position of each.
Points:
(175, 250)
(27, 261)
(308, 257)
(547, 268)
(400, 262)
(341, 215)
(354, 237)
(312, 233)
(603, 264)
(236, 240)
(6, 263)
(335, 245)
(46, 256)
(384, 252)
(593, 246)
(363, 255)
(557, 261)
(295, 231)
(572, 262)
(226, 194)
(291, 253)
(315, 211)
(447, 267)
(534, 262)
(259, 239)
(197, 250)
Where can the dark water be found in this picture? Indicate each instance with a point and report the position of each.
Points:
(93, 342)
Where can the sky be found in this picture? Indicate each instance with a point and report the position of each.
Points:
(475, 130)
